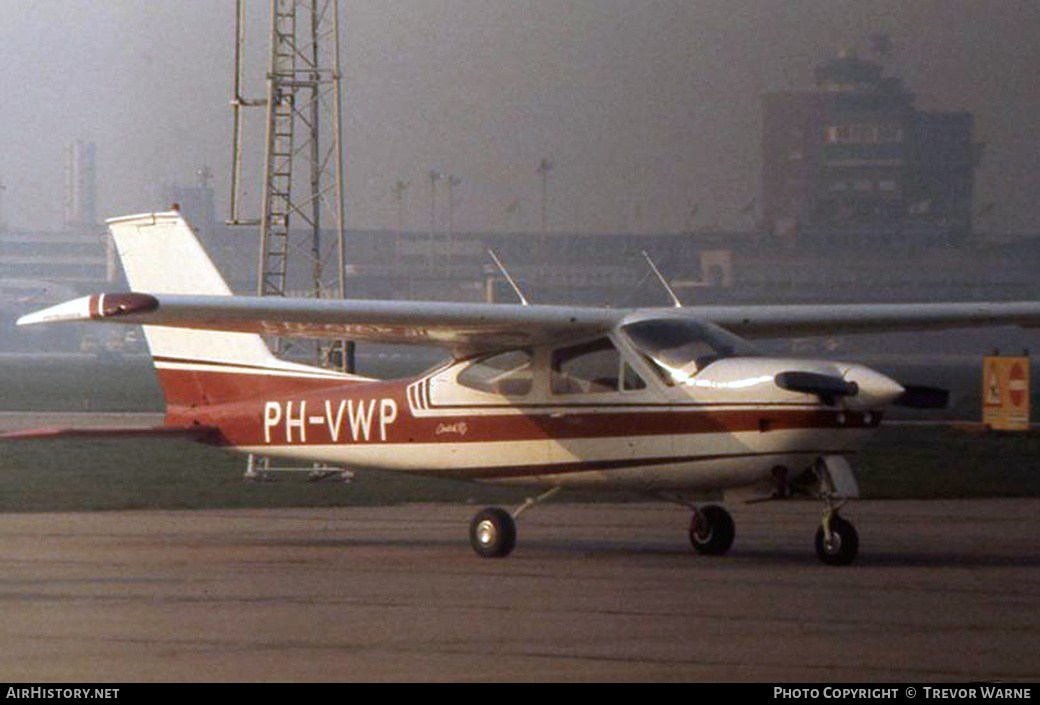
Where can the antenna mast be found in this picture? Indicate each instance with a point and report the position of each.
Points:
(304, 138)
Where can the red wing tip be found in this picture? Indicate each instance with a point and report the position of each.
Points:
(111, 305)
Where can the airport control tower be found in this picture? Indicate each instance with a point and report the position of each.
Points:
(852, 160)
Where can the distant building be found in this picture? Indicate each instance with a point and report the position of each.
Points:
(852, 160)
(81, 185)
(195, 202)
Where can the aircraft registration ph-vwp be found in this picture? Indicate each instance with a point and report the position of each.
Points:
(666, 401)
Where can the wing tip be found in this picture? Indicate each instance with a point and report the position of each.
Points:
(87, 308)
(74, 310)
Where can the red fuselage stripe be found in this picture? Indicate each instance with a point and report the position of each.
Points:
(324, 408)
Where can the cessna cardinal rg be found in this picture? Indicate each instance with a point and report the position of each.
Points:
(669, 402)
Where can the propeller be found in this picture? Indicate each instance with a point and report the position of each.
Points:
(830, 388)
(921, 397)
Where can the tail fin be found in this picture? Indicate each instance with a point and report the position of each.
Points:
(161, 255)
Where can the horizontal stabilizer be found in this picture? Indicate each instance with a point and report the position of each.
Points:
(201, 434)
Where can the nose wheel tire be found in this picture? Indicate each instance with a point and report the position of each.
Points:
(842, 546)
(712, 530)
(492, 533)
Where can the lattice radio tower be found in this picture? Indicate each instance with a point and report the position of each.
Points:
(302, 220)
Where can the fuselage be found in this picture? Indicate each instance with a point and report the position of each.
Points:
(595, 414)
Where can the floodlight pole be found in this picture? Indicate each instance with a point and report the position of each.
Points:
(435, 176)
(544, 169)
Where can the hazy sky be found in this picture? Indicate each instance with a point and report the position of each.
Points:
(647, 107)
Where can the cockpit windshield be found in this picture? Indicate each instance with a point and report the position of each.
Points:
(678, 349)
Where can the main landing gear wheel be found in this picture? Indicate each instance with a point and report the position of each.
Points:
(712, 530)
(492, 533)
(842, 545)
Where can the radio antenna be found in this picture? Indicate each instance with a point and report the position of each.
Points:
(505, 273)
(664, 282)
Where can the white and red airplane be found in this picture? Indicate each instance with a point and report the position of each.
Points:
(669, 402)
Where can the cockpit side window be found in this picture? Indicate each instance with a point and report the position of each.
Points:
(591, 368)
(508, 374)
(677, 349)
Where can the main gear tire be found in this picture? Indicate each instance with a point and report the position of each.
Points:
(843, 545)
(712, 530)
(492, 533)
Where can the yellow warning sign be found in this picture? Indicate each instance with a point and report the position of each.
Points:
(1005, 393)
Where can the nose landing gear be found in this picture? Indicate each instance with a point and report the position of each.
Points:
(837, 542)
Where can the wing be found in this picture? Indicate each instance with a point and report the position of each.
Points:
(805, 320)
(463, 328)
(472, 328)
(162, 256)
